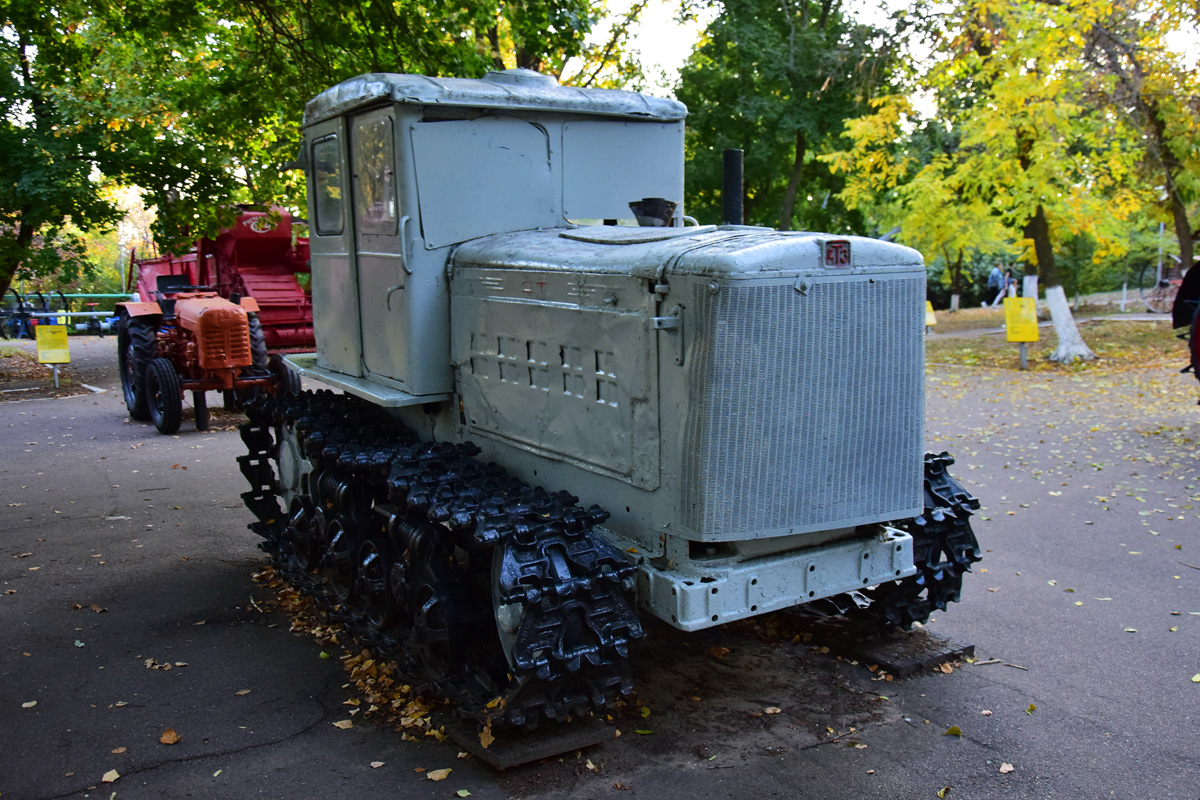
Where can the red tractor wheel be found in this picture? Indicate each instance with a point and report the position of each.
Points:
(164, 395)
(137, 346)
(287, 382)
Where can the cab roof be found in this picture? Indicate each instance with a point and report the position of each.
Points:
(509, 89)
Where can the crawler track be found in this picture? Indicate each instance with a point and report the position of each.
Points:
(944, 548)
(481, 588)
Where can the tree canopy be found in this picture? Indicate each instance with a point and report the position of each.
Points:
(1044, 145)
(198, 102)
(777, 79)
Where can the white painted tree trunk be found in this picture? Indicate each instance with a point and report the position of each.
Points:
(1071, 347)
(954, 303)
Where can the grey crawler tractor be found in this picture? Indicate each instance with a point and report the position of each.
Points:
(554, 419)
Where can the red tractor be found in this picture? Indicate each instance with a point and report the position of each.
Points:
(188, 338)
(257, 257)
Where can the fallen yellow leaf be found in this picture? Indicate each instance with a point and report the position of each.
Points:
(116, 751)
(344, 724)
(438, 774)
(953, 730)
(771, 710)
(110, 776)
(1006, 768)
(376, 764)
(169, 736)
(945, 791)
(30, 704)
(485, 736)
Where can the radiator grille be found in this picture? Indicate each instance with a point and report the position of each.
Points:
(224, 345)
(806, 409)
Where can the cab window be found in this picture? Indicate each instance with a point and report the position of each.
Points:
(328, 194)
(374, 176)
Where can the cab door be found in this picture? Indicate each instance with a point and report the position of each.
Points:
(331, 236)
(379, 225)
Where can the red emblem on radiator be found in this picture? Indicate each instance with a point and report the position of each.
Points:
(837, 253)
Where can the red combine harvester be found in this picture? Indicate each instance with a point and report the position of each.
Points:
(257, 258)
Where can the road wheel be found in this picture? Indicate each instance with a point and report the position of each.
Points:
(164, 395)
(137, 346)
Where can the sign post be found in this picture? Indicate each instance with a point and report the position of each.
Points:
(1020, 321)
(52, 347)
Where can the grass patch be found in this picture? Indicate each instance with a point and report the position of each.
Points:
(1117, 343)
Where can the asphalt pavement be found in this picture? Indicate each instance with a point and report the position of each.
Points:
(126, 552)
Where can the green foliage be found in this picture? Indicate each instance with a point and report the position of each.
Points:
(777, 79)
(1155, 91)
(1045, 157)
(46, 177)
(199, 103)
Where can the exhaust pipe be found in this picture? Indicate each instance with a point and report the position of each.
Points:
(731, 188)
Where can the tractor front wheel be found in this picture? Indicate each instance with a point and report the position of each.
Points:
(137, 346)
(164, 395)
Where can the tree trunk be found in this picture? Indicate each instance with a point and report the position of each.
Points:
(493, 36)
(1071, 347)
(1171, 169)
(13, 256)
(8, 268)
(793, 184)
(954, 298)
(955, 268)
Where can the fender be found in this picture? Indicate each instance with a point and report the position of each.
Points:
(139, 309)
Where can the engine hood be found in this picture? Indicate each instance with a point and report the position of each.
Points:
(729, 252)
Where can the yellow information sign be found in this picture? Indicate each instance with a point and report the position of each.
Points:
(52, 344)
(1020, 319)
(930, 318)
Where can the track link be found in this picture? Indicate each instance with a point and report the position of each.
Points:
(485, 590)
